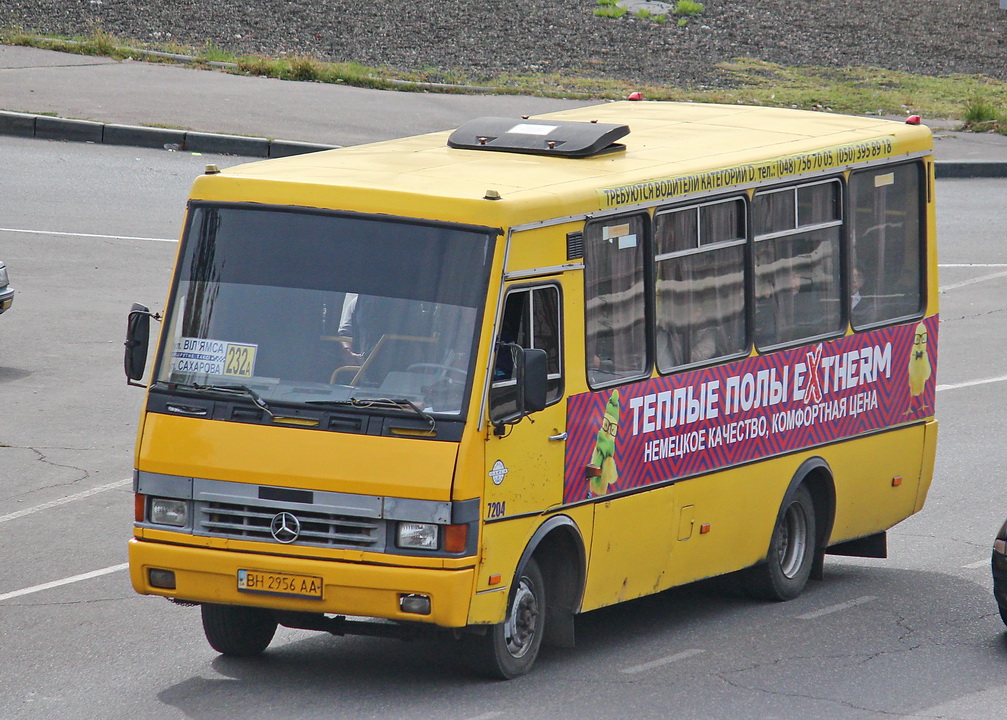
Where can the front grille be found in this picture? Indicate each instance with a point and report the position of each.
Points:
(252, 522)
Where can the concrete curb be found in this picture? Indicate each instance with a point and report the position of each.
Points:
(53, 128)
(970, 169)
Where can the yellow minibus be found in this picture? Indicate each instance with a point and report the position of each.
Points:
(482, 381)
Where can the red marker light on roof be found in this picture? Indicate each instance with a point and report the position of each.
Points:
(913, 120)
(635, 96)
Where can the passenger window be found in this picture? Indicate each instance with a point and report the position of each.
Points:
(886, 273)
(615, 300)
(797, 262)
(700, 288)
(531, 319)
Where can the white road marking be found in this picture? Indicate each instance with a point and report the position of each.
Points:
(64, 500)
(978, 564)
(487, 716)
(973, 281)
(64, 581)
(972, 383)
(836, 608)
(85, 235)
(971, 265)
(661, 661)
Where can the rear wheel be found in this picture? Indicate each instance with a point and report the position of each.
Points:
(791, 552)
(237, 631)
(509, 649)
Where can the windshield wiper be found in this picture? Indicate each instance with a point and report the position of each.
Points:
(380, 403)
(231, 389)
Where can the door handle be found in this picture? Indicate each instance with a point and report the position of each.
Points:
(558, 438)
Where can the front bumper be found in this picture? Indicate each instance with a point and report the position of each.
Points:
(208, 575)
(6, 298)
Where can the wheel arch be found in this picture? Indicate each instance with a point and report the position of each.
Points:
(816, 474)
(558, 548)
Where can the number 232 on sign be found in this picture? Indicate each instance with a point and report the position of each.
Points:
(240, 360)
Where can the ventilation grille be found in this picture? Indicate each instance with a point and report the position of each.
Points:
(253, 522)
(574, 245)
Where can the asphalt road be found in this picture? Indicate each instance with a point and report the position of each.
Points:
(86, 230)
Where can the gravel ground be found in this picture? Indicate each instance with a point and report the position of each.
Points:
(482, 40)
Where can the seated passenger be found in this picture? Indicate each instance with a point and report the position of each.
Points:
(861, 312)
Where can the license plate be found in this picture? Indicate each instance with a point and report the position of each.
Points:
(279, 583)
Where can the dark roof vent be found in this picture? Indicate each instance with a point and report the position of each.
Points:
(539, 137)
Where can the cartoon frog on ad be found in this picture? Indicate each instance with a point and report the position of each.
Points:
(602, 472)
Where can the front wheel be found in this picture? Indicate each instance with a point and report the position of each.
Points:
(509, 649)
(237, 631)
(791, 552)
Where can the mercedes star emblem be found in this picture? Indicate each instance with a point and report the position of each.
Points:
(285, 527)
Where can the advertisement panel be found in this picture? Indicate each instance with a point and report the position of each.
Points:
(695, 422)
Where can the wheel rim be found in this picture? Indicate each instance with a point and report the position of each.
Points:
(793, 540)
(522, 623)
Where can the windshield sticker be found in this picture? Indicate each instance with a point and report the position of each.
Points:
(213, 357)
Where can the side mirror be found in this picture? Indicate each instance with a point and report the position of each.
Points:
(137, 338)
(529, 391)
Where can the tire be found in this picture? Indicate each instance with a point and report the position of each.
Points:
(791, 552)
(509, 649)
(237, 631)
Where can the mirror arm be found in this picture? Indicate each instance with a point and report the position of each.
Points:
(153, 316)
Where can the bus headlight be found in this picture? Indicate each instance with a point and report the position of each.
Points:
(420, 536)
(164, 511)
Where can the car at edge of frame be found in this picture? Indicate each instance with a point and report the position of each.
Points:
(999, 562)
(6, 291)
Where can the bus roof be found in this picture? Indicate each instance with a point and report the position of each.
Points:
(672, 150)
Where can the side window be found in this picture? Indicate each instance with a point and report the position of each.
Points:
(886, 273)
(615, 300)
(700, 288)
(531, 319)
(797, 262)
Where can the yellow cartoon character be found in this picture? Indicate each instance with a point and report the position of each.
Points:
(919, 364)
(602, 470)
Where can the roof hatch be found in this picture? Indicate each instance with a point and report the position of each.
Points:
(539, 137)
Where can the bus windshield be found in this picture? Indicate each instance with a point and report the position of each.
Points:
(298, 307)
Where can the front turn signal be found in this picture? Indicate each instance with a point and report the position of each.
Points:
(455, 538)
